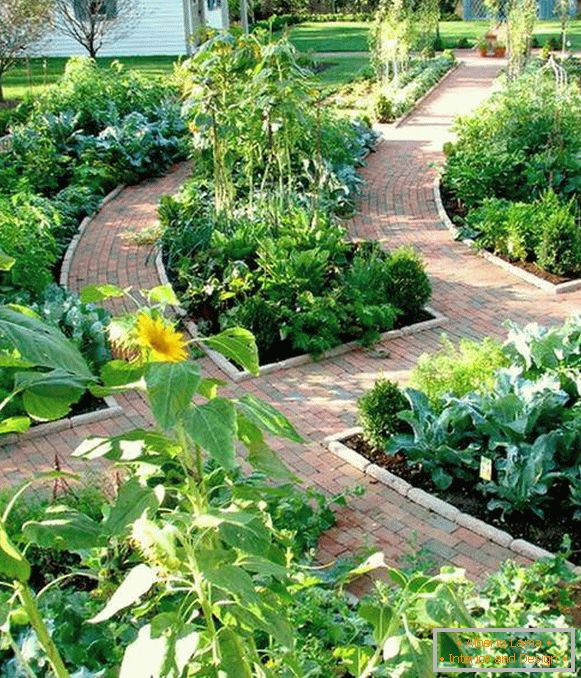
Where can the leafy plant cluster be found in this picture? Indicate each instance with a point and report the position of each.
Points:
(253, 240)
(291, 278)
(95, 129)
(525, 417)
(260, 128)
(195, 568)
(515, 169)
(397, 97)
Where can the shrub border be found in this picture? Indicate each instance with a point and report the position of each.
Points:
(545, 285)
(335, 444)
(418, 102)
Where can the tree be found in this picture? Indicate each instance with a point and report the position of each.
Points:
(91, 22)
(22, 22)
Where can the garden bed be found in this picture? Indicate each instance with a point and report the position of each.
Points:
(431, 319)
(522, 534)
(530, 272)
(87, 411)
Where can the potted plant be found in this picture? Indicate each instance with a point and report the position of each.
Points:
(499, 49)
(482, 46)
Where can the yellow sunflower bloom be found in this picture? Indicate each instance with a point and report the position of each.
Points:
(161, 341)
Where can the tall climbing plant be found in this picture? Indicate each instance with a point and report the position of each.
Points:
(521, 19)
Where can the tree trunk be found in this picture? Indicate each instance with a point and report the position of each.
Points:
(1, 89)
(244, 16)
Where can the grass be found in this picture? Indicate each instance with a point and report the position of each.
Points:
(352, 36)
(348, 36)
(341, 70)
(24, 79)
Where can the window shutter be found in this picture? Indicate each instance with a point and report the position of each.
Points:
(111, 9)
(81, 8)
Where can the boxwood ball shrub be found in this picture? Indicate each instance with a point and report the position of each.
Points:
(377, 412)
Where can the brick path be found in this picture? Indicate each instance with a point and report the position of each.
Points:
(396, 208)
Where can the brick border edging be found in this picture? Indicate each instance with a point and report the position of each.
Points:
(237, 375)
(545, 285)
(334, 444)
(399, 121)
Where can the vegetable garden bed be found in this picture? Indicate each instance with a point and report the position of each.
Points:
(433, 319)
(529, 536)
(527, 271)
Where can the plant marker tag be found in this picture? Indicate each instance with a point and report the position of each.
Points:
(486, 468)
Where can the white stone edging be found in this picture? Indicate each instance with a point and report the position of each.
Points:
(305, 358)
(112, 410)
(399, 121)
(545, 285)
(335, 444)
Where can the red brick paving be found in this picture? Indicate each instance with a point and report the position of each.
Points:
(397, 208)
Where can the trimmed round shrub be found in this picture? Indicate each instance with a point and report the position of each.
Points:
(409, 288)
(378, 410)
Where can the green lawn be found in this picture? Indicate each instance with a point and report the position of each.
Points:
(349, 36)
(352, 36)
(342, 69)
(21, 80)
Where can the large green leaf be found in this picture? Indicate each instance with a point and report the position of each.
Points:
(267, 417)
(14, 425)
(162, 294)
(261, 456)
(236, 344)
(49, 395)
(6, 261)
(13, 565)
(232, 660)
(120, 373)
(93, 293)
(131, 446)
(234, 581)
(144, 656)
(40, 344)
(354, 657)
(379, 616)
(132, 502)
(136, 584)
(170, 388)
(64, 529)
(213, 427)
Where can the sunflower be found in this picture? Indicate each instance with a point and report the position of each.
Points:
(161, 341)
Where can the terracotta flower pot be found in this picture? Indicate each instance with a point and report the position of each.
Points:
(500, 52)
(482, 51)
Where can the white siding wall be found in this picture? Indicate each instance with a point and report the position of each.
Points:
(161, 30)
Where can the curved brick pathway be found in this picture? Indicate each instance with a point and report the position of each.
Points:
(396, 208)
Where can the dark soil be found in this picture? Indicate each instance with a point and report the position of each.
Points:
(283, 350)
(547, 532)
(88, 403)
(457, 213)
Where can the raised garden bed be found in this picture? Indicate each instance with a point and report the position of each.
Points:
(432, 318)
(527, 271)
(521, 534)
(87, 411)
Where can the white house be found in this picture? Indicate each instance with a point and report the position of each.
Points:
(164, 27)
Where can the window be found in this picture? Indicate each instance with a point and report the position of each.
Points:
(105, 9)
